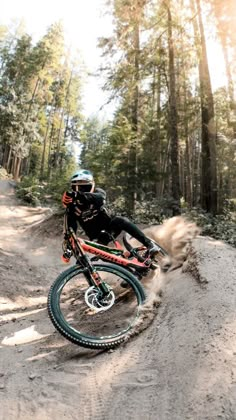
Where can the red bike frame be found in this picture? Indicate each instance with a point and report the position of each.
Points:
(109, 255)
(115, 255)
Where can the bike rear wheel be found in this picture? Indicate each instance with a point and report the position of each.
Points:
(81, 316)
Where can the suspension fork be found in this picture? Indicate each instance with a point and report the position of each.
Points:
(90, 272)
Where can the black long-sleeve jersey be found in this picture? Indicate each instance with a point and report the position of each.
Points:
(90, 212)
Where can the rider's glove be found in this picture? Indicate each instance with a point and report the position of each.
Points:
(80, 197)
(67, 198)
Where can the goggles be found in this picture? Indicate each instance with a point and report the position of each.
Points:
(78, 187)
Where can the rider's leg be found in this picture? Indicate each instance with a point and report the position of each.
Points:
(119, 223)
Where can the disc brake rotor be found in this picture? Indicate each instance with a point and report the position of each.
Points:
(96, 302)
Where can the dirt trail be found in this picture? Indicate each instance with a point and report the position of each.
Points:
(183, 366)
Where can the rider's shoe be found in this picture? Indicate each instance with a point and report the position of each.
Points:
(153, 248)
(67, 254)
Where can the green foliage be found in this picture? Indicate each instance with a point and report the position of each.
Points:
(35, 192)
(30, 191)
(130, 156)
(147, 211)
(221, 227)
(40, 107)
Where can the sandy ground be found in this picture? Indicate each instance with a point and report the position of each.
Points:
(183, 366)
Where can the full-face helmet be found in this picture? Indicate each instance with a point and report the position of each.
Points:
(82, 181)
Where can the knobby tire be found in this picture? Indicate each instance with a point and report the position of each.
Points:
(63, 296)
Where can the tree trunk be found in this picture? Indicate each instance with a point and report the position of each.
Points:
(52, 110)
(57, 159)
(195, 164)
(17, 168)
(8, 164)
(62, 120)
(208, 153)
(131, 190)
(187, 154)
(5, 156)
(49, 153)
(182, 173)
(224, 34)
(173, 130)
(189, 191)
(157, 144)
(13, 165)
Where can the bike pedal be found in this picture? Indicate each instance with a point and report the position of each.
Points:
(66, 256)
(65, 260)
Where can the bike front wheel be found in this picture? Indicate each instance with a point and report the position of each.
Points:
(80, 314)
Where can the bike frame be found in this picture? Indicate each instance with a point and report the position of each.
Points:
(115, 255)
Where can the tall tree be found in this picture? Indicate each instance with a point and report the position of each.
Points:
(34, 88)
(209, 193)
(173, 123)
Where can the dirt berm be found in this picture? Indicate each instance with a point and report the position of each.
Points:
(182, 366)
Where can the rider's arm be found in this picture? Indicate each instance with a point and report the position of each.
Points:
(67, 198)
(97, 198)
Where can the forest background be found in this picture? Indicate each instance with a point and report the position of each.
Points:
(169, 146)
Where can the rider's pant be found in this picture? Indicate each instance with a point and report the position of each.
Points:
(119, 224)
(116, 225)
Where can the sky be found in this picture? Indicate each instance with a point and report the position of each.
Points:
(84, 21)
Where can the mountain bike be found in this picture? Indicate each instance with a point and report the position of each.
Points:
(97, 302)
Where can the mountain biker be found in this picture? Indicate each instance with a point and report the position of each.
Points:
(86, 205)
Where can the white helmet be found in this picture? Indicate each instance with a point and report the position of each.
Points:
(82, 181)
